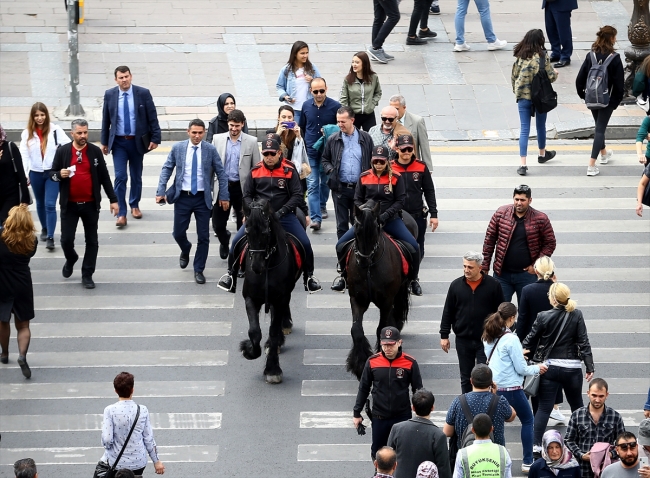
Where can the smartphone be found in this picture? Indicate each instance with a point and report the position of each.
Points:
(643, 460)
(289, 124)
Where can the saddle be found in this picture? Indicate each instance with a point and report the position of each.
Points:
(402, 247)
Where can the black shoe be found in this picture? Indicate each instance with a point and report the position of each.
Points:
(88, 282)
(184, 260)
(199, 277)
(415, 288)
(67, 269)
(226, 283)
(4, 359)
(312, 285)
(324, 214)
(223, 251)
(522, 170)
(434, 10)
(415, 41)
(315, 226)
(24, 367)
(562, 63)
(339, 284)
(427, 34)
(43, 235)
(548, 155)
(241, 273)
(554, 59)
(50, 244)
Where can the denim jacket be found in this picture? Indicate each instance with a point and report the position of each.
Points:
(507, 363)
(286, 84)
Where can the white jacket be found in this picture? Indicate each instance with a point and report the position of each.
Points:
(31, 150)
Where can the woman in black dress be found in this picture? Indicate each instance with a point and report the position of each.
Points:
(13, 182)
(18, 243)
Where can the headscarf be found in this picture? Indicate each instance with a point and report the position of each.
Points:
(427, 469)
(221, 103)
(566, 460)
(3, 135)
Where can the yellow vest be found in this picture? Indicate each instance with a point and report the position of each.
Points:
(483, 460)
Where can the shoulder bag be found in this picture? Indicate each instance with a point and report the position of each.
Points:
(531, 382)
(20, 189)
(103, 469)
(494, 348)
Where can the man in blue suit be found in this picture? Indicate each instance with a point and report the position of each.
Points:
(557, 15)
(130, 129)
(196, 163)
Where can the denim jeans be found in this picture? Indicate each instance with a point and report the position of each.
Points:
(483, 7)
(514, 282)
(317, 190)
(517, 400)
(45, 193)
(525, 113)
(569, 379)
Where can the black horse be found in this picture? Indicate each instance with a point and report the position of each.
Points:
(270, 277)
(374, 275)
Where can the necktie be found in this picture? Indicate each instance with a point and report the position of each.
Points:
(194, 170)
(127, 116)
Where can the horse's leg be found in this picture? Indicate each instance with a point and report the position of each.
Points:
(276, 314)
(287, 323)
(360, 350)
(272, 371)
(250, 348)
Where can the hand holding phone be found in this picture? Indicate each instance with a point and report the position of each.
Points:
(289, 124)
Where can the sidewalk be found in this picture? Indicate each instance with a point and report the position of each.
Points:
(187, 52)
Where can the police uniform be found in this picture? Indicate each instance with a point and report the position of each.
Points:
(417, 181)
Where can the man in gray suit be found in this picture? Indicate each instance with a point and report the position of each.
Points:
(418, 439)
(240, 153)
(415, 124)
(196, 163)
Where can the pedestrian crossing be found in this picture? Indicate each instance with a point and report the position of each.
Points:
(209, 405)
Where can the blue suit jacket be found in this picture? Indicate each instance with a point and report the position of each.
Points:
(211, 164)
(561, 5)
(146, 118)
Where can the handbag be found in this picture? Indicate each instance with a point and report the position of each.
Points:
(103, 469)
(642, 103)
(531, 382)
(20, 190)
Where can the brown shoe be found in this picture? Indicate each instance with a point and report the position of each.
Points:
(136, 213)
(121, 221)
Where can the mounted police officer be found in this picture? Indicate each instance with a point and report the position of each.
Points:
(385, 187)
(276, 181)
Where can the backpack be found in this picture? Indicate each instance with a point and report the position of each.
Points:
(597, 92)
(468, 436)
(543, 97)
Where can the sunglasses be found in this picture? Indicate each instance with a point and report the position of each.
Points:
(269, 153)
(79, 157)
(408, 149)
(522, 188)
(389, 120)
(378, 161)
(318, 92)
(625, 446)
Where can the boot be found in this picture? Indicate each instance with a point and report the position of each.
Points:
(340, 284)
(414, 286)
(312, 285)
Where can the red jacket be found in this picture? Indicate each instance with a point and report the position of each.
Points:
(539, 234)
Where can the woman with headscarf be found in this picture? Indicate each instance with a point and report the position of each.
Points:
(13, 182)
(427, 469)
(557, 461)
(219, 124)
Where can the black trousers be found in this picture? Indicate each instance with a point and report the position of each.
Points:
(420, 14)
(386, 17)
(220, 217)
(470, 352)
(381, 429)
(89, 216)
(344, 209)
(365, 121)
(601, 118)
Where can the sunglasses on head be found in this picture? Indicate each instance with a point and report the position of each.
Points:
(378, 161)
(625, 446)
(522, 188)
(79, 157)
(318, 92)
(269, 153)
(390, 120)
(408, 149)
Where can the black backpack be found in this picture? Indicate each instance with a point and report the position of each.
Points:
(468, 436)
(542, 95)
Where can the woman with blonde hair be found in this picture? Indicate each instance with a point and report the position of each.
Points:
(38, 143)
(562, 344)
(17, 246)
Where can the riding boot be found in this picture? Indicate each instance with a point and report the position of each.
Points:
(340, 284)
(228, 281)
(414, 271)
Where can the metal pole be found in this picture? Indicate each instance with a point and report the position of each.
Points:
(75, 108)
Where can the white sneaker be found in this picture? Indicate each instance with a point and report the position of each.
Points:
(605, 159)
(462, 47)
(556, 415)
(497, 45)
(525, 468)
(593, 171)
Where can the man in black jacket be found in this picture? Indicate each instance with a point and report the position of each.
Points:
(389, 374)
(80, 168)
(346, 155)
(470, 300)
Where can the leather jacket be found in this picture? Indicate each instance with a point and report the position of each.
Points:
(572, 344)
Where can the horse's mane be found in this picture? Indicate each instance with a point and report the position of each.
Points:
(368, 228)
(276, 227)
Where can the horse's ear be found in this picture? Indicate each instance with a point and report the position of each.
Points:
(376, 209)
(357, 211)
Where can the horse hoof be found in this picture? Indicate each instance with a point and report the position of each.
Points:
(286, 331)
(274, 379)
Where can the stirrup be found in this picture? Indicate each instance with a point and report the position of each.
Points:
(316, 281)
(222, 279)
(345, 284)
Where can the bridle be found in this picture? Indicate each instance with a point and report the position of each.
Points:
(368, 256)
(269, 250)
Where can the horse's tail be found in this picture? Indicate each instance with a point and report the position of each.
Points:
(402, 304)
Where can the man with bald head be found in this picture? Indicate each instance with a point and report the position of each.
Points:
(385, 463)
(384, 134)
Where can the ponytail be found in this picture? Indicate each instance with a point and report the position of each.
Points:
(544, 267)
(495, 323)
(561, 295)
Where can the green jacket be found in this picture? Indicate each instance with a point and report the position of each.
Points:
(523, 71)
(363, 98)
(643, 133)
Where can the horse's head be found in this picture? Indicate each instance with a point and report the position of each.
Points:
(366, 227)
(259, 222)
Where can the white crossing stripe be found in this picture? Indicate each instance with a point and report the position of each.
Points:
(49, 330)
(148, 302)
(91, 455)
(133, 358)
(536, 183)
(146, 389)
(76, 423)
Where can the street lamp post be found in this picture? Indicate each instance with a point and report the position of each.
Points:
(638, 32)
(75, 108)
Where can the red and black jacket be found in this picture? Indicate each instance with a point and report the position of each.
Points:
(280, 186)
(390, 381)
(417, 181)
(376, 188)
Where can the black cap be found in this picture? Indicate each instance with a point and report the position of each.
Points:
(274, 136)
(389, 335)
(380, 152)
(270, 145)
(404, 140)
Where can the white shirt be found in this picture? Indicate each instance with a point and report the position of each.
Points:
(30, 149)
(302, 89)
(187, 174)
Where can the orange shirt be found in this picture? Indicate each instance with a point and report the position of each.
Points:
(474, 284)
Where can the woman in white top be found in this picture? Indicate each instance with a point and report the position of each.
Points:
(38, 143)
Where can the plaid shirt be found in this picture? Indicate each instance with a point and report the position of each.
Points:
(379, 138)
(582, 433)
